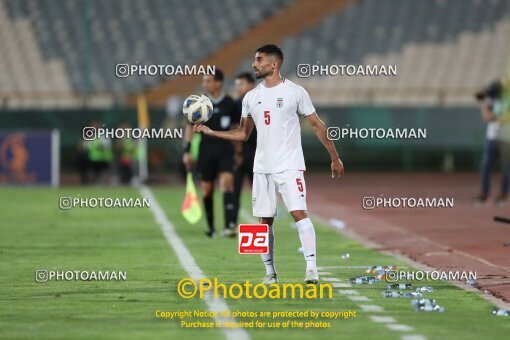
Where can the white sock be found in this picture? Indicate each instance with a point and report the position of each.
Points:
(268, 259)
(307, 237)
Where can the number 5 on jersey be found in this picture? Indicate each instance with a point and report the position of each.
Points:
(267, 117)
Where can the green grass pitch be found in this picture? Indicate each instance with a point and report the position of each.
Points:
(36, 234)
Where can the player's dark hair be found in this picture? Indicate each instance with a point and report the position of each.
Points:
(271, 49)
(218, 75)
(246, 76)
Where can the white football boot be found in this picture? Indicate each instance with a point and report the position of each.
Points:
(311, 276)
(270, 278)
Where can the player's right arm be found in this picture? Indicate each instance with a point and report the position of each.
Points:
(241, 134)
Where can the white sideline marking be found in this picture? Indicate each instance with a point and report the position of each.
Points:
(188, 263)
(354, 294)
(369, 308)
(348, 292)
(336, 281)
(359, 298)
(399, 327)
(382, 319)
(413, 337)
(372, 308)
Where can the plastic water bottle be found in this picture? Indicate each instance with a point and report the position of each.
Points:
(427, 305)
(471, 282)
(380, 269)
(411, 295)
(423, 302)
(362, 280)
(434, 308)
(400, 286)
(391, 294)
(500, 312)
(397, 294)
(379, 277)
(427, 289)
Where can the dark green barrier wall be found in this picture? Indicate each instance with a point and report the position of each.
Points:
(455, 135)
(70, 124)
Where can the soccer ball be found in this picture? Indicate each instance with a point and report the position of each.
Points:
(197, 109)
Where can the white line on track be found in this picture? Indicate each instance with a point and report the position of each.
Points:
(413, 337)
(353, 295)
(399, 328)
(359, 298)
(372, 308)
(188, 263)
(324, 273)
(382, 319)
(348, 292)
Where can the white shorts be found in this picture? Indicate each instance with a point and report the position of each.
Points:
(290, 184)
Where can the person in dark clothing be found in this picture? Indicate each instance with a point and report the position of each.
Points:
(244, 158)
(127, 150)
(215, 156)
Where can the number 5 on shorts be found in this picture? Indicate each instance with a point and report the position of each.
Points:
(299, 184)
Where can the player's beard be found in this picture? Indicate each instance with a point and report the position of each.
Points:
(259, 74)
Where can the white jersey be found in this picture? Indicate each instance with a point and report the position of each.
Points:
(493, 127)
(276, 112)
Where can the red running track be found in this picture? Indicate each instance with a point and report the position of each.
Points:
(462, 238)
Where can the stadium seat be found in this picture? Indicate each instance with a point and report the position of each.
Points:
(42, 34)
(453, 47)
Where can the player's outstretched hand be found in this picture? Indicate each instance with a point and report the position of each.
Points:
(337, 168)
(199, 128)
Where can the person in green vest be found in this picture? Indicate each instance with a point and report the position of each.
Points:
(128, 152)
(100, 156)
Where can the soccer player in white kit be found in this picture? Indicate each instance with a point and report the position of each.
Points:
(275, 108)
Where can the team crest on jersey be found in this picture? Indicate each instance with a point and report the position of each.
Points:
(279, 102)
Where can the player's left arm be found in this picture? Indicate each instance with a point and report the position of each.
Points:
(318, 126)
